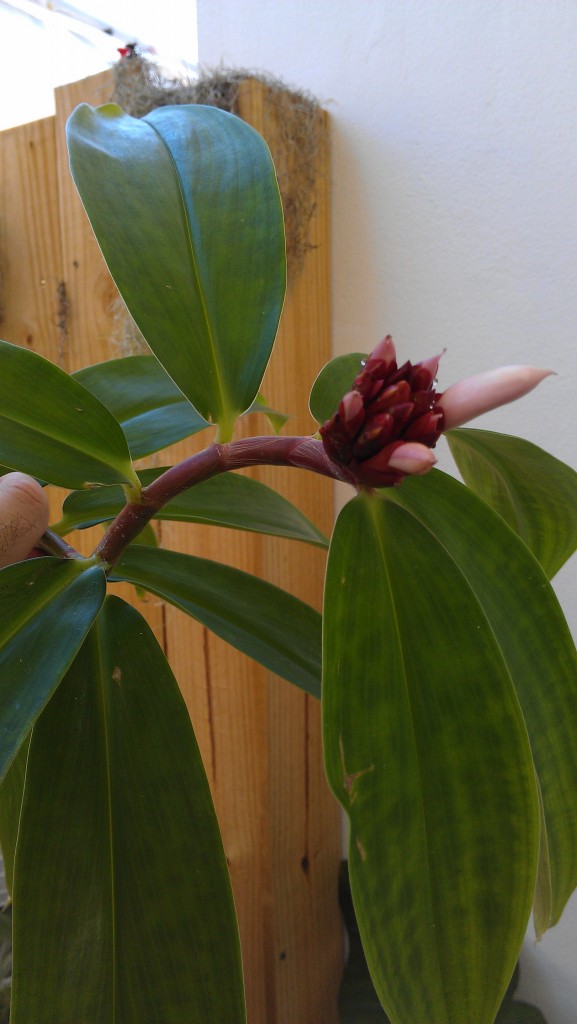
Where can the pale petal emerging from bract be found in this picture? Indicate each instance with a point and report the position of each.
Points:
(412, 458)
(473, 396)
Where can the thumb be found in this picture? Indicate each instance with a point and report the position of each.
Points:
(23, 516)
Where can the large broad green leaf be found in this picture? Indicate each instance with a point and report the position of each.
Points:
(151, 410)
(358, 1002)
(54, 429)
(11, 790)
(534, 492)
(47, 606)
(186, 208)
(334, 380)
(426, 749)
(228, 500)
(123, 912)
(535, 641)
(263, 621)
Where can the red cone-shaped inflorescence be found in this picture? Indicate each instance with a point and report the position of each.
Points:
(387, 423)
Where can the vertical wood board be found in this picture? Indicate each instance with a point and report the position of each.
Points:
(88, 281)
(32, 296)
(260, 738)
(303, 823)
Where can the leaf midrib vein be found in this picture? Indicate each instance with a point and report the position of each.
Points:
(195, 270)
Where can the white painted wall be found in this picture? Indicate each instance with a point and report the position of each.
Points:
(454, 212)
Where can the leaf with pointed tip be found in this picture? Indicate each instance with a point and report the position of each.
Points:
(151, 410)
(263, 621)
(47, 606)
(358, 1001)
(60, 433)
(276, 419)
(334, 380)
(229, 500)
(426, 749)
(517, 1012)
(536, 643)
(512, 1011)
(128, 914)
(186, 208)
(534, 492)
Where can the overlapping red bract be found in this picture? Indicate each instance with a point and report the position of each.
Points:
(387, 407)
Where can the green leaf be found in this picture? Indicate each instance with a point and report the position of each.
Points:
(186, 208)
(11, 791)
(228, 500)
(151, 410)
(536, 643)
(534, 492)
(54, 429)
(334, 380)
(358, 1001)
(126, 915)
(276, 419)
(426, 749)
(147, 536)
(47, 606)
(263, 621)
(512, 1011)
(5, 963)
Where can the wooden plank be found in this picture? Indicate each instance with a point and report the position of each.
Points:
(260, 738)
(89, 286)
(304, 822)
(32, 298)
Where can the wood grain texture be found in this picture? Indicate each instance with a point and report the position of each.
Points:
(303, 823)
(259, 737)
(90, 287)
(34, 302)
(32, 296)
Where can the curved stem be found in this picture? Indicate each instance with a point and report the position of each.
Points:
(52, 544)
(296, 452)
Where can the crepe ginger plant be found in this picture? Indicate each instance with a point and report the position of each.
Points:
(449, 684)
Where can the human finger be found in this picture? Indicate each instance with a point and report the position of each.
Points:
(23, 516)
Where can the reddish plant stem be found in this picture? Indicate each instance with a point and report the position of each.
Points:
(296, 452)
(51, 544)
